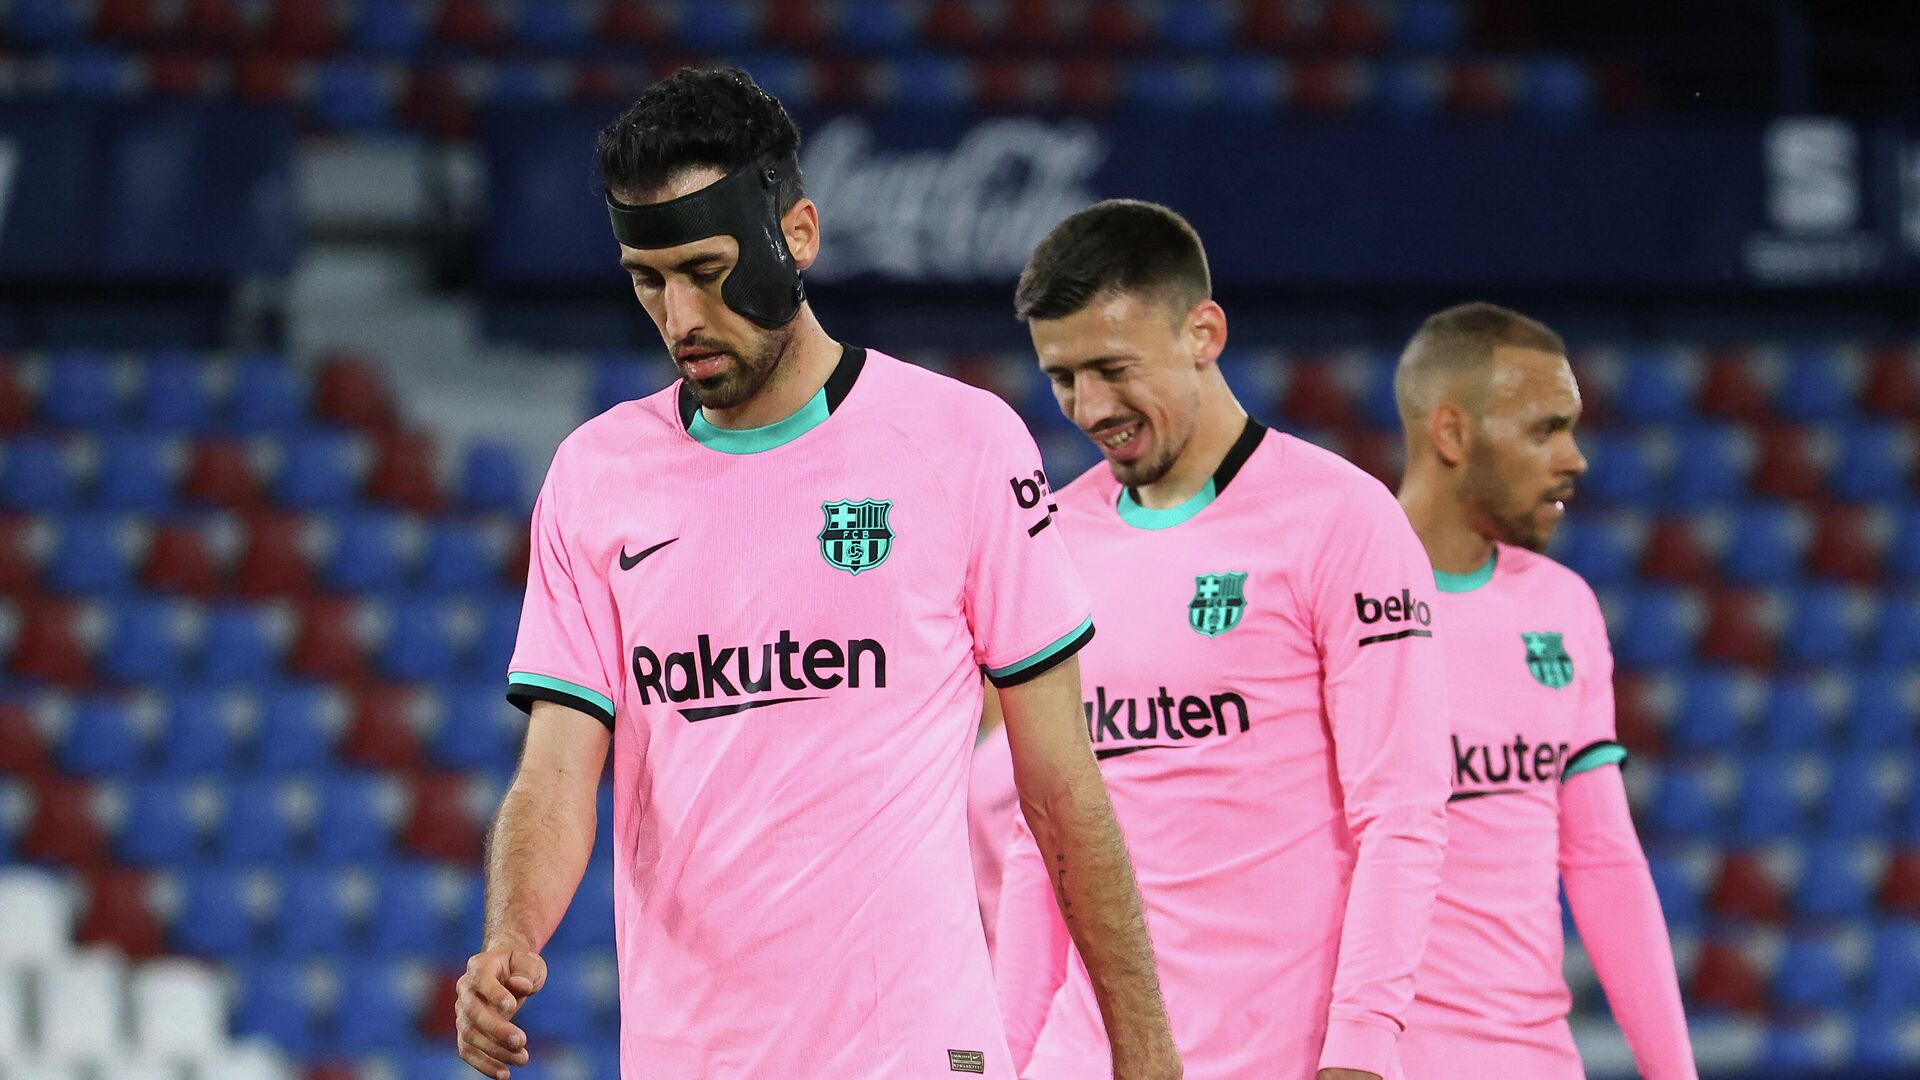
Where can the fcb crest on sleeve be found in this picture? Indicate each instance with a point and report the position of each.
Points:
(1548, 660)
(855, 536)
(1218, 602)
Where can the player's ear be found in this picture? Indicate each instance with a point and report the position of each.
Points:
(801, 225)
(1451, 430)
(1206, 330)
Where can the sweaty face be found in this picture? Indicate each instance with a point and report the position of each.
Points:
(1524, 462)
(725, 357)
(1124, 373)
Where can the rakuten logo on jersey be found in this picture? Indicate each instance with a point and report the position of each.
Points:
(730, 678)
(1403, 610)
(1518, 761)
(1123, 725)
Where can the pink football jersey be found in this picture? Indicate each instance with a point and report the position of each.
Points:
(1266, 703)
(1531, 699)
(992, 805)
(785, 629)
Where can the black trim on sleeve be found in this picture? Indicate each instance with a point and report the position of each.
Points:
(1044, 666)
(1578, 758)
(522, 696)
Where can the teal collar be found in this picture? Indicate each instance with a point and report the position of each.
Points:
(1141, 517)
(1457, 583)
(759, 440)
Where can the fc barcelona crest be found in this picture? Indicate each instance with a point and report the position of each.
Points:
(1218, 602)
(855, 536)
(1548, 660)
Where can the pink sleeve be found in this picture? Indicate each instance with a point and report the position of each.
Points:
(568, 647)
(1618, 915)
(1031, 962)
(1026, 603)
(992, 804)
(1385, 703)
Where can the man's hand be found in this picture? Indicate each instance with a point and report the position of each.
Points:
(497, 982)
(1347, 1074)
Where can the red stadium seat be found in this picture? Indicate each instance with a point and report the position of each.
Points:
(513, 569)
(1741, 629)
(1479, 89)
(955, 24)
(350, 391)
(273, 561)
(325, 645)
(1674, 553)
(1326, 84)
(263, 79)
(118, 914)
(440, 827)
(1354, 26)
(178, 561)
(23, 751)
(19, 575)
(1734, 388)
(381, 735)
(844, 83)
(437, 1013)
(1725, 979)
(1637, 722)
(1314, 397)
(469, 24)
(433, 102)
(126, 21)
(1270, 26)
(1789, 465)
(63, 828)
(1892, 386)
(796, 25)
(1381, 455)
(1001, 83)
(214, 24)
(1033, 23)
(302, 28)
(180, 74)
(1115, 24)
(1900, 885)
(49, 648)
(16, 405)
(1848, 542)
(629, 22)
(1088, 84)
(403, 473)
(221, 473)
(1745, 890)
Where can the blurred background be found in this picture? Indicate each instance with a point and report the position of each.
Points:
(297, 297)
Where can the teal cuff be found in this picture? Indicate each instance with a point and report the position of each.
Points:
(1593, 756)
(524, 688)
(1045, 659)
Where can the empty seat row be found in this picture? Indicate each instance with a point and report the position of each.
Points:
(182, 391)
(1841, 712)
(1782, 797)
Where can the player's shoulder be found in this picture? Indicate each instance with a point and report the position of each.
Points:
(1544, 576)
(931, 401)
(1340, 492)
(616, 435)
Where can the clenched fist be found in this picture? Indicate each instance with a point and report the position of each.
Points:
(496, 984)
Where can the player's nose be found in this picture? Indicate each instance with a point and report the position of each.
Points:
(682, 310)
(1093, 401)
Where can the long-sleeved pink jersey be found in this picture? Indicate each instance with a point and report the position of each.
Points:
(1267, 704)
(1536, 800)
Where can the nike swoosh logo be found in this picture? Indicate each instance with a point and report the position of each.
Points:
(628, 562)
(694, 716)
(1463, 796)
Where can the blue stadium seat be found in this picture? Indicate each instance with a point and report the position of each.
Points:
(160, 829)
(92, 73)
(44, 23)
(418, 646)
(1857, 804)
(1196, 25)
(1895, 636)
(716, 27)
(623, 376)
(1600, 549)
(353, 822)
(1656, 387)
(552, 26)
(1883, 710)
(1766, 546)
(1620, 469)
(1883, 1043)
(491, 478)
(173, 395)
(138, 471)
(366, 554)
(238, 647)
(1874, 464)
(390, 28)
(409, 913)
(1683, 805)
(100, 739)
(460, 558)
(1157, 86)
(351, 95)
(928, 83)
(1429, 27)
(216, 918)
(1409, 88)
(499, 627)
(1811, 975)
(143, 642)
(589, 920)
(1714, 711)
(517, 83)
(381, 1011)
(1557, 88)
(1819, 629)
(198, 738)
(1768, 806)
(564, 1009)
(298, 728)
(257, 828)
(316, 472)
(1893, 980)
(1377, 403)
(1797, 716)
(1902, 558)
(1711, 466)
(267, 396)
(90, 557)
(35, 474)
(275, 1002)
(1815, 386)
(80, 391)
(477, 729)
(875, 26)
(1833, 884)
(1656, 631)
(314, 917)
(1796, 1046)
(1679, 891)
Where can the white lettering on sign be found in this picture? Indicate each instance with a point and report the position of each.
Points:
(1813, 175)
(972, 212)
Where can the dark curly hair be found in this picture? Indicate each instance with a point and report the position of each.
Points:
(702, 116)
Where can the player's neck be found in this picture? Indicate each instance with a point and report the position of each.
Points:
(1453, 545)
(1220, 424)
(809, 361)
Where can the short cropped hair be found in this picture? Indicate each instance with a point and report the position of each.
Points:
(1113, 247)
(701, 116)
(1460, 342)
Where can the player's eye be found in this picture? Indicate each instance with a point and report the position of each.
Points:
(708, 277)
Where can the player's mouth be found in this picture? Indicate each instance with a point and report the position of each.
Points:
(701, 365)
(1121, 442)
